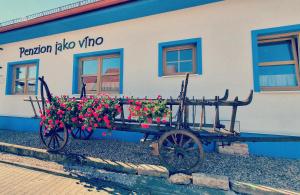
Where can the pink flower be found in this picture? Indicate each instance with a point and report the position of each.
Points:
(61, 125)
(129, 117)
(164, 120)
(104, 134)
(106, 105)
(89, 129)
(137, 108)
(95, 125)
(145, 125)
(159, 97)
(83, 127)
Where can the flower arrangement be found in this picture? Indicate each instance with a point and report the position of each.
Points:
(100, 112)
(146, 111)
(87, 113)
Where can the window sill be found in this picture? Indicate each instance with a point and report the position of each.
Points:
(279, 92)
(181, 76)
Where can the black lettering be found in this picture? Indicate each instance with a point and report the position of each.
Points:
(99, 40)
(72, 44)
(91, 42)
(22, 50)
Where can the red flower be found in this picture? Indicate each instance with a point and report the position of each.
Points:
(159, 97)
(158, 120)
(137, 108)
(106, 105)
(95, 125)
(145, 109)
(145, 125)
(106, 119)
(129, 117)
(164, 121)
(149, 120)
(61, 125)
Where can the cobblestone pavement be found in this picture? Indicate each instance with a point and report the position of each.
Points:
(17, 180)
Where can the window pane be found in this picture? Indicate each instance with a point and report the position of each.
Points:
(277, 76)
(19, 87)
(186, 54)
(172, 56)
(172, 68)
(20, 72)
(275, 51)
(186, 66)
(110, 74)
(89, 67)
(31, 87)
(32, 72)
(91, 83)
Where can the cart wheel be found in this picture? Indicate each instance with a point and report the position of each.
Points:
(55, 139)
(78, 133)
(180, 150)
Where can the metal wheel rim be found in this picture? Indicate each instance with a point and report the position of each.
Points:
(180, 150)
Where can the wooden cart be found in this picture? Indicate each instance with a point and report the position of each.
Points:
(179, 140)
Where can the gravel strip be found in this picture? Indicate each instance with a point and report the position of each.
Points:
(274, 172)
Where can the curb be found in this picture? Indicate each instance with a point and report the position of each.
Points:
(120, 167)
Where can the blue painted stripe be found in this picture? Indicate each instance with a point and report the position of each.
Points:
(273, 149)
(10, 76)
(19, 123)
(127, 11)
(76, 58)
(195, 41)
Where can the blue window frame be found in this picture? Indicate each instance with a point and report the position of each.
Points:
(180, 57)
(102, 71)
(276, 59)
(22, 77)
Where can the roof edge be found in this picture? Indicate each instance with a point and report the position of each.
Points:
(63, 14)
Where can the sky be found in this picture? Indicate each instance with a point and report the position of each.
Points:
(12, 9)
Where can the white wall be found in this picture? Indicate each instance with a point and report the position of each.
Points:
(225, 28)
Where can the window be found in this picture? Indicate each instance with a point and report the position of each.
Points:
(22, 78)
(278, 62)
(180, 57)
(100, 73)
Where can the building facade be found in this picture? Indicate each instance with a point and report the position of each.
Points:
(144, 48)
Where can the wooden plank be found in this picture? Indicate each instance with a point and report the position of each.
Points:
(295, 55)
(278, 36)
(277, 63)
(280, 88)
(274, 40)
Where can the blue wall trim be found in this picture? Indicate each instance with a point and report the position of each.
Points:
(255, 58)
(127, 11)
(9, 76)
(196, 41)
(271, 149)
(92, 54)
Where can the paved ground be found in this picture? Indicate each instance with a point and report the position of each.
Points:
(16, 180)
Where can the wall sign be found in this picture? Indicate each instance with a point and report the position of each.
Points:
(61, 46)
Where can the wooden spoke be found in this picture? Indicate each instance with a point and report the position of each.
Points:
(78, 133)
(58, 138)
(183, 154)
(174, 139)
